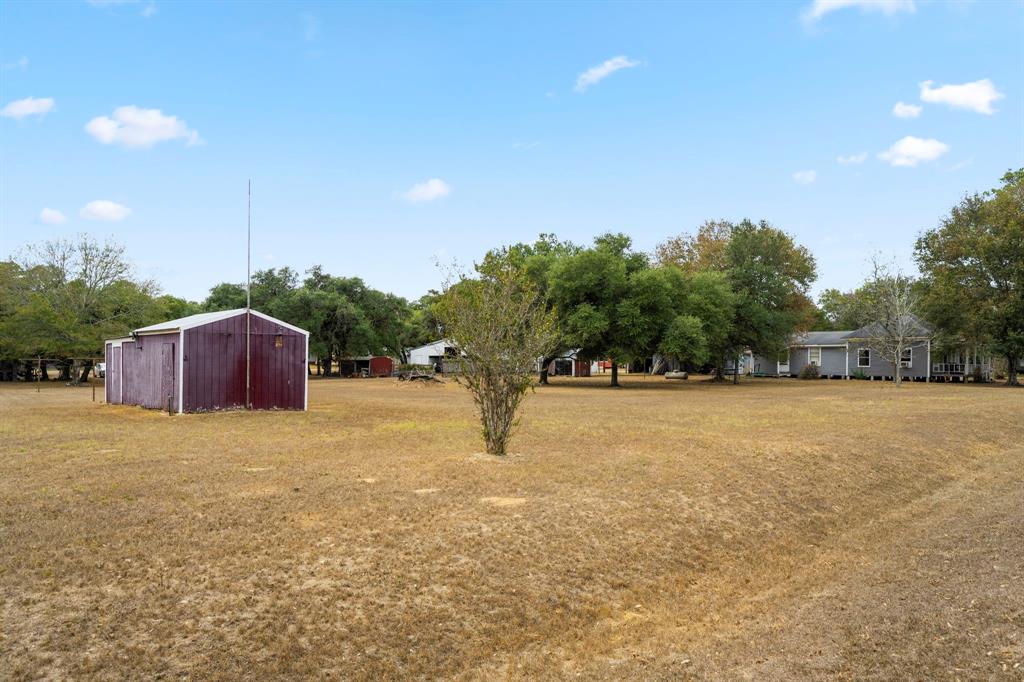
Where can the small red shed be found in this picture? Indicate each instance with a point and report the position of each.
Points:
(198, 364)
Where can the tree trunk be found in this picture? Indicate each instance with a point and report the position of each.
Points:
(615, 375)
(1011, 370)
(736, 372)
(544, 371)
(84, 376)
(326, 360)
(720, 369)
(65, 370)
(897, 370)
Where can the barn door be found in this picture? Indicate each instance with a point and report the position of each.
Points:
(167, 374)
(113, 375)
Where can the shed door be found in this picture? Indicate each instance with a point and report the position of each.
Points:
(166, 373)
(113, 375)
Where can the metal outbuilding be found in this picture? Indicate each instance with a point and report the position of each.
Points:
(198, 363)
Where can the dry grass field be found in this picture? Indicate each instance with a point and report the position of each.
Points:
(774, 530)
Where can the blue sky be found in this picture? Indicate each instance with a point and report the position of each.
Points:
(382, 137)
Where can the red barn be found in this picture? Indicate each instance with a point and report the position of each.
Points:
(197, 364)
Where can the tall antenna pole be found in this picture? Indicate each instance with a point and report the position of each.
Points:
(248, 298)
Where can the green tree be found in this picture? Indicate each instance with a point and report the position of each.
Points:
(501, 325)
(590, 289)
(537, 261)
(74, 294)
(768, 274)
(973, 271)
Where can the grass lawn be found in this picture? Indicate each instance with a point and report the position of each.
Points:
(777, 529)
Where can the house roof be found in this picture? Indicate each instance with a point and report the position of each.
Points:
(821, 338)
(919, 329)
(200, 319)
(439, 342)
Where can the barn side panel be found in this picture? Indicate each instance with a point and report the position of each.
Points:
(214, 366)
(108, 359)
(112, 380)
(147, 366)
(278, 373)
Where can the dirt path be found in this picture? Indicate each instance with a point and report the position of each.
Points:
(932, 591)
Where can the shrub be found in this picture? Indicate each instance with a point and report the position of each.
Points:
(810, 372)
(859, 374)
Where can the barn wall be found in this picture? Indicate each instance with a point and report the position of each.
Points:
(381, 366)
(278, 366)
(214, 366)
(149, 366)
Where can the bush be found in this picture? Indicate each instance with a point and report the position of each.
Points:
(810, 372)
(859, 374)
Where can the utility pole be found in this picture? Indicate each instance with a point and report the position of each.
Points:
(248, 300)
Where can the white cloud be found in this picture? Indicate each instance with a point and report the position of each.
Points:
(805, 177)
(852, 158)
(20, 63)
(432, 189)
(819, 8)
(102, 209)
(596, 74)
(911, 151)
(29, 106)
(135, 127)
(51, 216)
(902, 110)
(149, 10)
(977, 96)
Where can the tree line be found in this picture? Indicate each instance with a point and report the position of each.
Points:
(700, 299)
(60, 299)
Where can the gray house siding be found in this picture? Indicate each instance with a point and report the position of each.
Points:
(765, 366)
(833, 360)
(882, 367)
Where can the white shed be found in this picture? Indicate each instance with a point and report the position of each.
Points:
(431, 353)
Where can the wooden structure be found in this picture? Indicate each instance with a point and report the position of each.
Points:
(198, 364)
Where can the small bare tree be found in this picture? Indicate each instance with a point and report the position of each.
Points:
(500, 326)
(894, 328)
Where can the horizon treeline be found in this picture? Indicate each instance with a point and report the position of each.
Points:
(700, 299)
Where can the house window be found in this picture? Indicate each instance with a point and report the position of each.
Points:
(814, 355)
(907, 358)
(864, 357)
(784, 357)
(279, 341)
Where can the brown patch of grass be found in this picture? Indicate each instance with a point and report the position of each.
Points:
(654, 531)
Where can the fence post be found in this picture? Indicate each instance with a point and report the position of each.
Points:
(170, 399)
(94, 392)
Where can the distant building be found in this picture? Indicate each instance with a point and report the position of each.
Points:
(845, 354)
(198, 364)
(568, 364)
(432, 353)
(366, 366)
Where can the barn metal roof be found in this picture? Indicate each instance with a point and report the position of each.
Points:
(206, 318)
